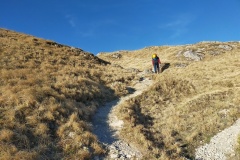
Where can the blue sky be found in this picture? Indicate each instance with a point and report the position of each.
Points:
(111, 25)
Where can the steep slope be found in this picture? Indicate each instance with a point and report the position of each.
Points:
(48, 93)
(194, 98)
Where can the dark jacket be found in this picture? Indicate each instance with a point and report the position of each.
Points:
(156, 61)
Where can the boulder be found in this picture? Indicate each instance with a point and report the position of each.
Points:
(225, 47)
(116, 55)
(192, 55)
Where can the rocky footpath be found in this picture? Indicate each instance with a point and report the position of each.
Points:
(106, 126)
(221, 146)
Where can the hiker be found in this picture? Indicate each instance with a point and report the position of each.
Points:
(156, 63)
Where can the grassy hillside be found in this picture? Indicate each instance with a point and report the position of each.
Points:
(194, 98)
(48, 93)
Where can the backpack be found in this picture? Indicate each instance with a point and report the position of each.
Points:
(155, 60)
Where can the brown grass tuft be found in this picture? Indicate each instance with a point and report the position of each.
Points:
(6, 135)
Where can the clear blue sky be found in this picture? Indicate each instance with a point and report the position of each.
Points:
(111, 25)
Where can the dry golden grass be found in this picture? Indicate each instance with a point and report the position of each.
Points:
(187, 105)
(48, 93)
(237, 156)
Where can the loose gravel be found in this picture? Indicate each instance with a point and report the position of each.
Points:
(221, 146)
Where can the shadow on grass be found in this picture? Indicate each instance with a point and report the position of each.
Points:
(165, 66)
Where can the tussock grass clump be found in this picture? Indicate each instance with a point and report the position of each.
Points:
(77, 140)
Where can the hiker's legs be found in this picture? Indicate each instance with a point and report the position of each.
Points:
(155, 68)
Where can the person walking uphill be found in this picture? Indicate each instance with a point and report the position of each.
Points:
(156, 63)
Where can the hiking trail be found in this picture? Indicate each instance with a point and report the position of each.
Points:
(106, 126)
